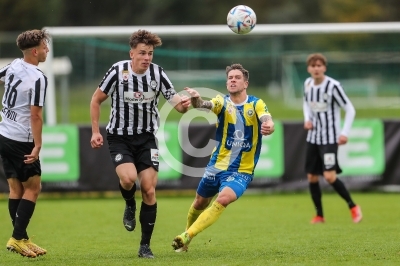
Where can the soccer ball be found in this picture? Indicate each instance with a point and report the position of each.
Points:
(241, 19)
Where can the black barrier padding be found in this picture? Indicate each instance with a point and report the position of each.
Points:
(199, 136)
(391, 175)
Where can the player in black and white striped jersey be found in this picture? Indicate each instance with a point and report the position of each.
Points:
(21, 135)
(323, 99)
(135, 87)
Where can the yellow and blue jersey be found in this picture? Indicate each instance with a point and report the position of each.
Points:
(238, 134)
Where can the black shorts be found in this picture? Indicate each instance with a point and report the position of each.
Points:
(139, 149)
(321, 158)
(13, 155)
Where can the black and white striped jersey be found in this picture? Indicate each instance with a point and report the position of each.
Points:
(24, 85)
(135, 97)
(321, 106)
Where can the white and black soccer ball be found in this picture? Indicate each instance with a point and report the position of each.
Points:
(241, 19)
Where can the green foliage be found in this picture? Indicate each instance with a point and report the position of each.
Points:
(24, 14)
(255, 230)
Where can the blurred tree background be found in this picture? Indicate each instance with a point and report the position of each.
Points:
(27, 14)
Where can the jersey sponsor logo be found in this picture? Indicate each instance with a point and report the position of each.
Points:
(139, 97)
(318, 106)
(238, 135)
(238, 140)
(153, 84)
(9, 114)
(154, 156)
(329, 160)
(118, 157)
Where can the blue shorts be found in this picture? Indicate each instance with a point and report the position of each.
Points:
(214, 181)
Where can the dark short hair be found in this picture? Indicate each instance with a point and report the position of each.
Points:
(32, 38)
(239, 67)
(144, 36)
(312, 58)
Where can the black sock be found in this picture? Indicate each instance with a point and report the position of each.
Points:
(12, 208)
(129, 195)
(22, 218)
(343, 192)
(147, 216)
(316, 196)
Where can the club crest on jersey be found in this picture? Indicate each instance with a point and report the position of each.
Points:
(250, 112)
(325, 96)
(153, 84)
(125, 76)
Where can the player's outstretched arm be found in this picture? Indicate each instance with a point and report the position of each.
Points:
(197, 101)
(181, 103)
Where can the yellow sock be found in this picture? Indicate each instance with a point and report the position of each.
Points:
(192, 216)
(205, 219)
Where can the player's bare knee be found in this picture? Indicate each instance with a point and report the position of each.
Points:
(126, 181)
(148, 194)
(16, 191)
(225, 200)
(330, 178)
(201, 203)
(312, 178)
(32, 193)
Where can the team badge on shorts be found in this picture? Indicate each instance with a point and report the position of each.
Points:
(229, 179)
(118, 157)
(154, 156)
(329, 160)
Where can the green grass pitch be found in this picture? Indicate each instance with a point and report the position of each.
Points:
(268, 229)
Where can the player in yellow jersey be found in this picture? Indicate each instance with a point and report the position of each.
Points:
(242, 120)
